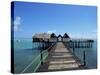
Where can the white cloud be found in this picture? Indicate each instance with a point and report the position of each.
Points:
(51, 31)
(17, 23)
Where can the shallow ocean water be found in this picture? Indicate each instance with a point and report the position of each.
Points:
(25, 54)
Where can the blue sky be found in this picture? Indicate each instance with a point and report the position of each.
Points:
(78, 21)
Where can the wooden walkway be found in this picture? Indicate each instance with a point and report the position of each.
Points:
(60, 59)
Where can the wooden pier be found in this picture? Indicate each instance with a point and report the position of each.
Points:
(59, 56)
(59, 59)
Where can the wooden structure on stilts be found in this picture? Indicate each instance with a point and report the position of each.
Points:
(59, 56)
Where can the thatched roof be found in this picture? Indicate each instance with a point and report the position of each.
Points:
(66, 35)
(53, 35)
(48, 36)
(59, 36)
(42, 35)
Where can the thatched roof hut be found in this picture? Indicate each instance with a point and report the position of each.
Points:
(53, 36)
(43, 36)
(66, 35)
(47, 36)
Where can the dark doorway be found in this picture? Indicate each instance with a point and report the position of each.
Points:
(59, 38)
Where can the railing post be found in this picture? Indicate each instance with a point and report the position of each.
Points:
(84, 60)
(41, 54)
(48, 44)
(73, 48)
(41, 57)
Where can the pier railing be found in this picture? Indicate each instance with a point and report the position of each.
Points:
(44, 48)
(82, 45)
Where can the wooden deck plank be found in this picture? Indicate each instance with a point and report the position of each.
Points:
(60, 59)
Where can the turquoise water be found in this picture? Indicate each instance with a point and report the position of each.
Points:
(91, 55)
(24, 54)
(22, 44)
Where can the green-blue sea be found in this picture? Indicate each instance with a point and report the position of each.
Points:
(24, 54)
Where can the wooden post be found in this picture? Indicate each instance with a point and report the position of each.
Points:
(43, 44)
(73, 48)
(48, 43)
(41, 54)
(41, 57)
(84, 60)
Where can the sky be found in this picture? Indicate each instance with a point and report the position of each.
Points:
(75, 20)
